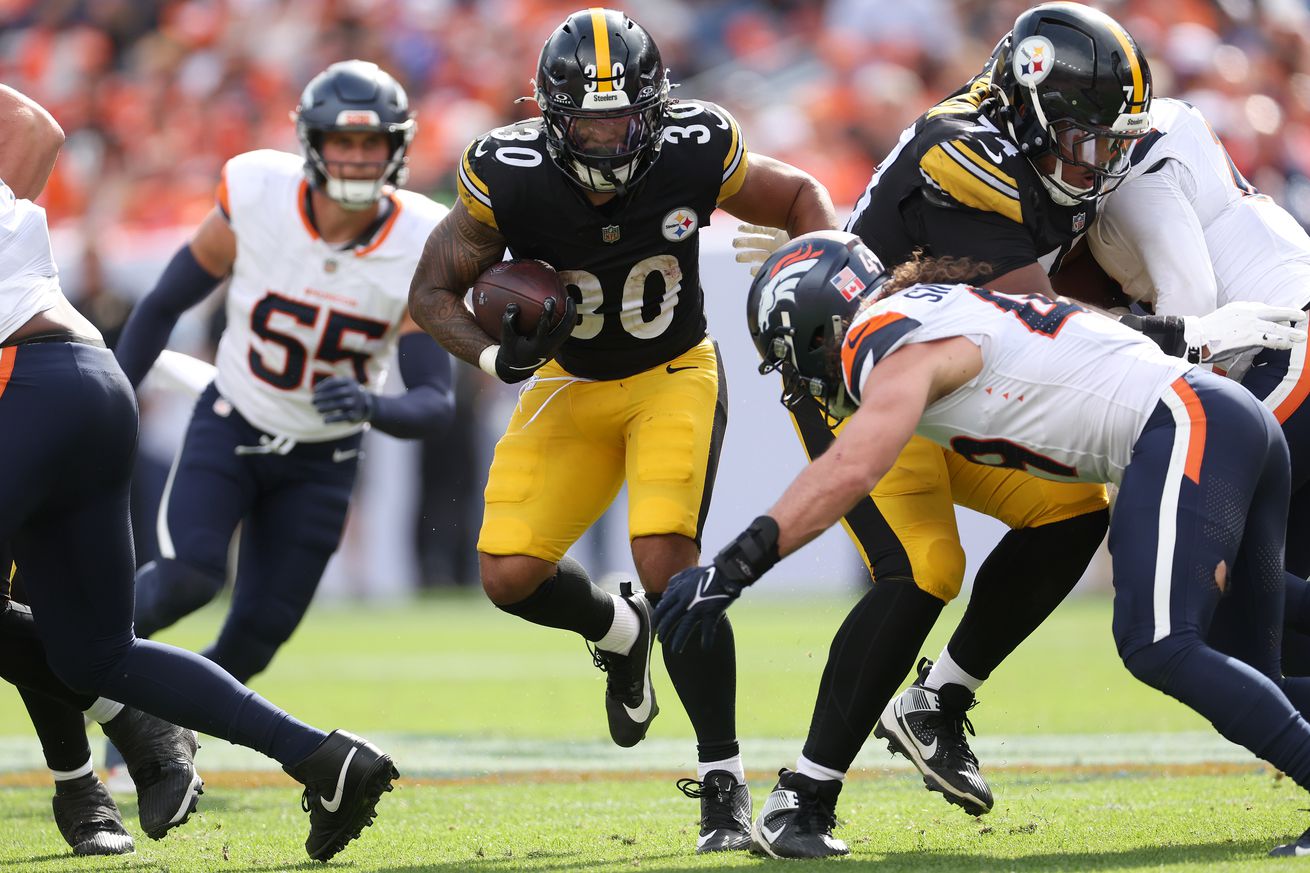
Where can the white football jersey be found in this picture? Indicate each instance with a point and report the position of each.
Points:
(1186, 233)
(299, 309)
(29, 280)
(1063, 392)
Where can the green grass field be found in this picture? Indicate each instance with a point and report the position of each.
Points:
(500, 729)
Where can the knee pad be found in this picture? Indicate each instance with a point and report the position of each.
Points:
(938, 565)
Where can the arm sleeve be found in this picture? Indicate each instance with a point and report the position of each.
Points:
(1152, 217)
(429, 404)
(183, 284)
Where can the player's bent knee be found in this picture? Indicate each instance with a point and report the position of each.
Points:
(941, 572)
(1156, 662)
(509, 579)
(85, 665)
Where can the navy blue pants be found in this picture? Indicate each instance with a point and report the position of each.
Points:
(1197, 545)
(292, 508)
(67, 440)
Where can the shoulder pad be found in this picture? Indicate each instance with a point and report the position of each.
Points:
(713, 127)
(489, 159)
(869, 339)
(972, 164)
(247, 176)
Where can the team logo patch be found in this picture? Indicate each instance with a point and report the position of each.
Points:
(679, 224)
(609, 233)
(783, 279)
(1079, 222)
(847, 283)
(1033, 60)
(357, 118)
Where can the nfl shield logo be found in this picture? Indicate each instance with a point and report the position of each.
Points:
(609, 233)
(1079, 221)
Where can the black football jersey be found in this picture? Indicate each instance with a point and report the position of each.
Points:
(632, 264)
(957, 186)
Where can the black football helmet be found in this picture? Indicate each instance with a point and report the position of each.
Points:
(798, 309)
(1074, 85)
(354, 95)
(602, 90)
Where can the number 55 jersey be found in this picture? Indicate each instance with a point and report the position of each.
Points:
(631, 263)
(299, 309)
(1063, 393)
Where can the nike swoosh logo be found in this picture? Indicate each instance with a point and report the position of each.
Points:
(991, 154)
(541, 362)
(702, 840)
(704, 586)
(771, 834)
(925, 752)
(339, 455)
(672, 369)
(642, 712)
(335, 803)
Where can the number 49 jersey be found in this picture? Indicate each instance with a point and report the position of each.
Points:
(633, 263)
(1063, 393)
(300, 310)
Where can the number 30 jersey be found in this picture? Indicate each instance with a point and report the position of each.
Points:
(632, 263)
(299, 309)
(1063, 393)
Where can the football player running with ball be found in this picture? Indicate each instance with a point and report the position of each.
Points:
(609, 186)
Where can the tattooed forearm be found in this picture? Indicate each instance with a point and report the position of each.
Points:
(456, 253)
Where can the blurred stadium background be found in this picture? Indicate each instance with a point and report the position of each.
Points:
(155, 95)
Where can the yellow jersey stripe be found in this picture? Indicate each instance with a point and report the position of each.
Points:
(969, 101)
(1138, 101)
(966, 187)
(604, 69)
(473, 193)
(985, 165)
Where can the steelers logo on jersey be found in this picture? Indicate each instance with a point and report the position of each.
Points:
(679, 224)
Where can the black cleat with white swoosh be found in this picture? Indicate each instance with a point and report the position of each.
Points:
(798, 818)
(927, 726)
(629, 696)
(725, 812)
(344, 778)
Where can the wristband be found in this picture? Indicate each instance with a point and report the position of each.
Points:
(753, 552)
(487, 360)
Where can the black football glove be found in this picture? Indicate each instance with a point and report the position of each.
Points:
(701, 595)
(340, 398)
(521, 356)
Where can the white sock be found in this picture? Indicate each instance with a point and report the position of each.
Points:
(806, 767)
(103, 710)
(623, 632)
(732, 765)
(67, 775)
(944, 670)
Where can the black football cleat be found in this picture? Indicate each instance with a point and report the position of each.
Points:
(725, 812)
(629, 696)
(927, 726)
(798, 818)
(161, 760)
(344, 779)
(1296, 849)
(90, 822)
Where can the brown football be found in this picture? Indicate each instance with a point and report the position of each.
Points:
(529, 283)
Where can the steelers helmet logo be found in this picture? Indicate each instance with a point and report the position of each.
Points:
(679, 224)
(1033, 60)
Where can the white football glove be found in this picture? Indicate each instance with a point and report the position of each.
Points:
(1242, 328)
(756, 243)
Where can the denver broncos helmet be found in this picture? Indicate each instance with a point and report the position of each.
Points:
(354, 95)
(602, 90)
(1074, 85)
(799, 306)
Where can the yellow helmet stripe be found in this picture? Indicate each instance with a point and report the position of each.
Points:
(1137, 103)
(604, 69)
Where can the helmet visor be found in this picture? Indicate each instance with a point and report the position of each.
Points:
(611, 137)
(1101, 150)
